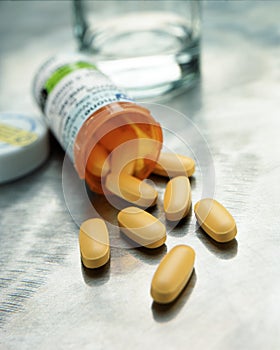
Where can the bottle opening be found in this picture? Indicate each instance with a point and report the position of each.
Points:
(119, 137)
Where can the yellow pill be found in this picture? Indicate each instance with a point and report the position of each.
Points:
(142, 227)
(94, 243)
(177, 198)
(117, 136)
(215, 220)
(145, 154)
(122, 159)
(171, 165)
(172, 274)
(97, 163)
(131, 189)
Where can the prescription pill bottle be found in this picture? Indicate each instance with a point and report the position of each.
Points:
(90, 116)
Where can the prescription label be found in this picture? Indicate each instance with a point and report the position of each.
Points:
(69, 92)
(16, 136)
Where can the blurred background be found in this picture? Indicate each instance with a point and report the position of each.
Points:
(44, 28)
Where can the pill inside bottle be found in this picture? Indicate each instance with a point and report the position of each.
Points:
(98, 163)
(141, 164)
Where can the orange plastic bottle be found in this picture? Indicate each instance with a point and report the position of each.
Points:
(91, 117)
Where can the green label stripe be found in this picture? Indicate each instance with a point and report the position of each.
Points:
(65, 70)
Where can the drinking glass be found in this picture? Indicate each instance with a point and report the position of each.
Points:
(148, 47)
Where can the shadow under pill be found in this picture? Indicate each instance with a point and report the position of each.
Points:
(153, 210)
(192, 182)
(161, 181)
(179, 229)
(96, 277)
(223, 251)
(103, 207)
(147, 255)
(167, 312)
(150, 256)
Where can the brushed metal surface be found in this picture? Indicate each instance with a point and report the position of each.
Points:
(49, 301)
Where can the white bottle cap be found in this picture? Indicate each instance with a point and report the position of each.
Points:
(24, 145)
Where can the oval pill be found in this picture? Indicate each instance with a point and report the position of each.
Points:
(94, 243)
(177, 198)
(215, 220)
(145, 154)
(131, 189)
(171, 165)
(142, 227)
(117, 136)
(98, 164)
(172, 274)
(122, 159)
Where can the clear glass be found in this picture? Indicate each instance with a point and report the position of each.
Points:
(150, 48)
